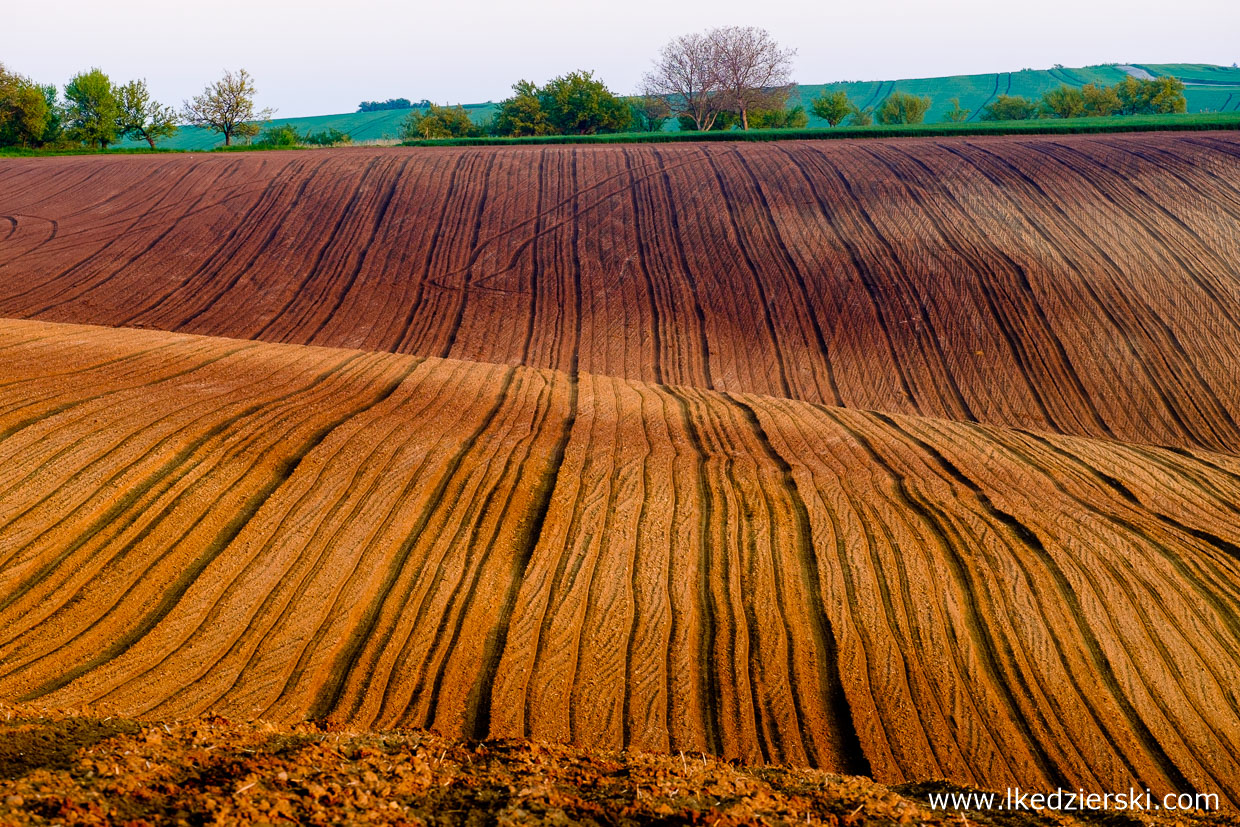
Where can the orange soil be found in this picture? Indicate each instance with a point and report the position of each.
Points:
(200, 525)
(82, 770)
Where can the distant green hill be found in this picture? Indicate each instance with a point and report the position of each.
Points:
(1209, 89)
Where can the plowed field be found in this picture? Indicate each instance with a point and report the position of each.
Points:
(911, 459)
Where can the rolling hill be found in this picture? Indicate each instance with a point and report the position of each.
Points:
(909, 459)
(1209, 89)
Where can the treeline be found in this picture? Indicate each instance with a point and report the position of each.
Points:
(724, 78)
(94, 112)
(389, 104)
(573, 104)
(1131, 96)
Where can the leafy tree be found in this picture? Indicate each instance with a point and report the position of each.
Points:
(522, 114)
(956, 114)
(649, 113)
(1135, 96)
(1063, 102)
(439, 122)
(1159, 96)
(227, 107)
(750, 69)
(1168, 96)
(832, 107)
(862, 117)
(141, 117)
(1010, 108)
(93, 111)
(54, 131)
(793, 118)
(24, 112)
(902, 107)
(1100, 101)
(578, 104)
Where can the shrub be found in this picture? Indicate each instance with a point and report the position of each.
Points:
(862, 117)
(956, 114)
(279, 135)
(794, 118)
(328, 137)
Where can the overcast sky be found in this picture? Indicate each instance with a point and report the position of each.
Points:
(323, 56)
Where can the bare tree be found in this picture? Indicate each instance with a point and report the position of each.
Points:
(751, 69)
(685, 74)
(227, 106)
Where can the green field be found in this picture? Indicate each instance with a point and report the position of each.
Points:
(1209, 89)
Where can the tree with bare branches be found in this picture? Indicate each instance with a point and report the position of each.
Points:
(751, 70)
(686, 75)
(227, 106)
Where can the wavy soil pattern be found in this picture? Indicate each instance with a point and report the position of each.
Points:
(909, 459)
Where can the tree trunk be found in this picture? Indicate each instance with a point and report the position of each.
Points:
(745, 118)
(227, 137)
(150, 141)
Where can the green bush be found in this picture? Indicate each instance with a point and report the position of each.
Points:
(956, 114)
(862, 117)
(279, 135)
(794, 118)
(328, 137)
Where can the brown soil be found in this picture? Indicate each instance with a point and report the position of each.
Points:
(912, 459)
(1077, 284)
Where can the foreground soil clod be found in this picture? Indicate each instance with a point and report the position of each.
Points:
(214, 771)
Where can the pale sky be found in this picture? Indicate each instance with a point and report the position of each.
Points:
(314, 57)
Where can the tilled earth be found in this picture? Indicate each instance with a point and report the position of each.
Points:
(58, 768)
